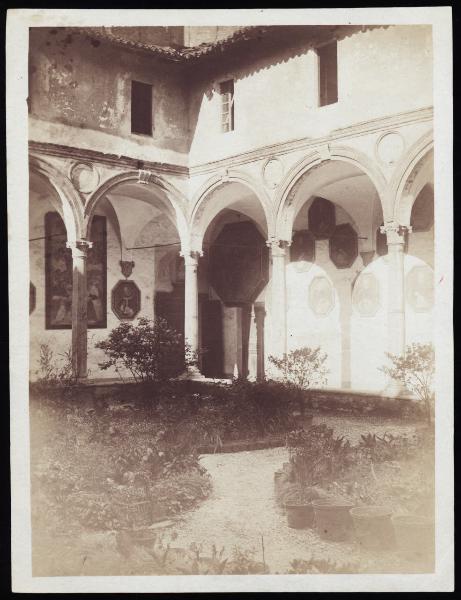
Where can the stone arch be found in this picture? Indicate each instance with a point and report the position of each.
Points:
(415, 171)
(174, 205)
(70, 207)
(288, 204)
(204, 210)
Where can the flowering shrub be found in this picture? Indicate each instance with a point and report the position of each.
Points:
(415, 371)
(149, 351)
(303, 369)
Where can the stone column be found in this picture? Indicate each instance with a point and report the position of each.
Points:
(79, 307)
(278, 298)
(396, 293)
(252, 346)
(191, 322)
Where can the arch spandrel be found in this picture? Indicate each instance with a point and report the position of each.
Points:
(71, 207)
(414, 172)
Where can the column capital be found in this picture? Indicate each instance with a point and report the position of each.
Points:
(191, 257)
(79, 248)
(278, 247)
(395, 232)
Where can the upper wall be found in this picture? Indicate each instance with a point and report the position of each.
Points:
(80, 95)
(381, 72)
(80, 91)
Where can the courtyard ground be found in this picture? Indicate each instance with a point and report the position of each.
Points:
(240, 515)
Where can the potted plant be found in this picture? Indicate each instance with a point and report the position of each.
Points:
(332, 518)
(298, 506)
(373, 527)
(318, 457)
(415, 536)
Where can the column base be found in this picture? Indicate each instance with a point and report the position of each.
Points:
(192, 373)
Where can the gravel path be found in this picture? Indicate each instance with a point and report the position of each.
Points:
(242, 506)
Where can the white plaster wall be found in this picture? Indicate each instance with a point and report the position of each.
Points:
(370, 335)
(277, 100)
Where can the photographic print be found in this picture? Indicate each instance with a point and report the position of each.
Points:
(235, 229)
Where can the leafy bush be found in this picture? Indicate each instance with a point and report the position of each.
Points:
(150, 350)
(415, 371)
(303, 368)
(321, 565)
(85, 466)
(55, 375)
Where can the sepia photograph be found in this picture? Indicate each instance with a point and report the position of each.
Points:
(235, 356)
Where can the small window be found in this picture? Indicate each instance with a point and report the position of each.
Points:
(328, 74)
(227, 105)
(141, 108)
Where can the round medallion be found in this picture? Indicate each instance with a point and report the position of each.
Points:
(321, 296)
(390, 147)
(85, 177)
(419, 287)
(366, 295)
(272, 172)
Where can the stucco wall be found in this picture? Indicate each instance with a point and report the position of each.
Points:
(80, 95)
(276, 98)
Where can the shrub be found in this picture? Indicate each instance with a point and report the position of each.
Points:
(303, 368)
(151, 350)
(55, 372)
(415, 371)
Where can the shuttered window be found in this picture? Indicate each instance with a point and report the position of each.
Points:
(227, 105)
(328, 74)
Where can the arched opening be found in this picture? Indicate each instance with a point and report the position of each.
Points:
(334, 214)
(142, 248)
(233, 275)
(417, 202)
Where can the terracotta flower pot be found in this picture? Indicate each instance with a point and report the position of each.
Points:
(415, 536)
(373, 527)
(135, 513)
(299, 516)
(332, 519)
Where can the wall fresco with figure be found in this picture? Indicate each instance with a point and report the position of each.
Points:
(58, 275)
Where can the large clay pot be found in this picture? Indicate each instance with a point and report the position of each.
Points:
(373, 527)
(332, 519)
(415, 536)
(299, 516)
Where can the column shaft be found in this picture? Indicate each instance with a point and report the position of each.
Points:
(278, 298)
(191, 322)
(79, 308)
